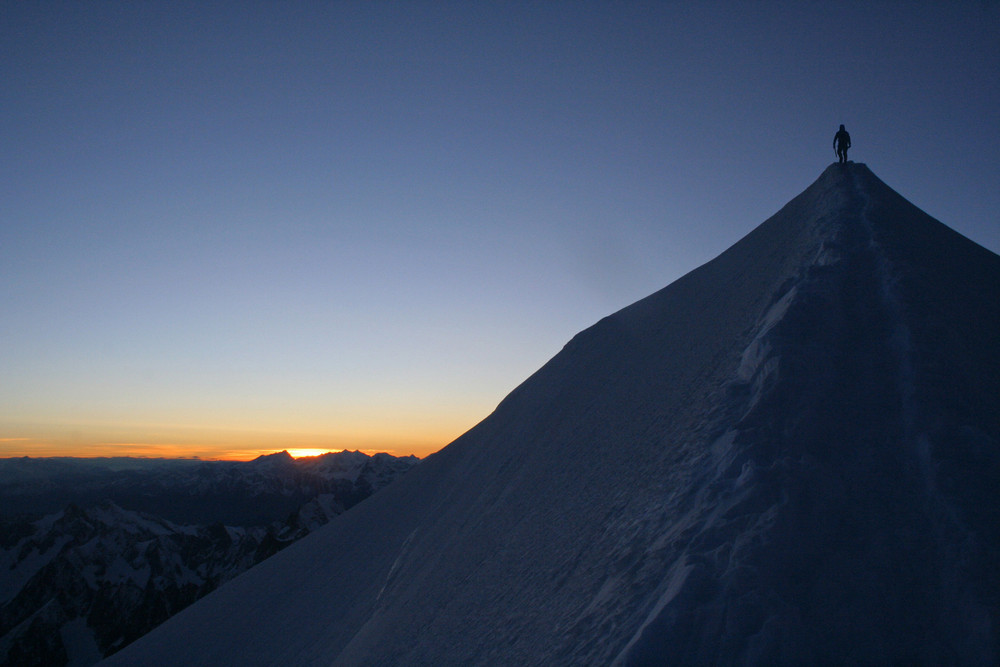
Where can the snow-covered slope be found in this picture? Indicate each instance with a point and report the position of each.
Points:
(790, 455)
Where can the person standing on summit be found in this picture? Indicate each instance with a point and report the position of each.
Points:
(841, 142)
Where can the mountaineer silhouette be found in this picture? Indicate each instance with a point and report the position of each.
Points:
(841, 142)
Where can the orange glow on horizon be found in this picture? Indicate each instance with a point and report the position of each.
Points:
(228, 446)
(240, 437)
(33, 449)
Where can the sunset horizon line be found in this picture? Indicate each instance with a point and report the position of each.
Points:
(239, 456)
(39, 450)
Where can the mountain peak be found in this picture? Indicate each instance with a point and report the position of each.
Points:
(788, 455)
(277, 458)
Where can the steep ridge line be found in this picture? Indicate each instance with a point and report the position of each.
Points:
(801, 463)
(943, 513)
(731, 491)
(902, 347)
(901, 337)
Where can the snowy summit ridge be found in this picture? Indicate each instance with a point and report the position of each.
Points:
(790, 455)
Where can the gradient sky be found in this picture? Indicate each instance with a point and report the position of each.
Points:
(237, 227)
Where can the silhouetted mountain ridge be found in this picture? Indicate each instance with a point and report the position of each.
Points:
(241, 493)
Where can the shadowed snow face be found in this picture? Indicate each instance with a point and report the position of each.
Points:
(786, 456)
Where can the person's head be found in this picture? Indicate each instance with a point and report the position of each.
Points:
(841, 127)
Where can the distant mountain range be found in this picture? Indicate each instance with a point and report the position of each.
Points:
(96, 552)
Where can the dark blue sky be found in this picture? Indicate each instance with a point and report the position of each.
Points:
(258, 225)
